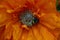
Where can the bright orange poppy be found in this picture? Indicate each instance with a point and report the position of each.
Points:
(48, 27)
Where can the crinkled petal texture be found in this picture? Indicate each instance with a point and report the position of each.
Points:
(48, 27)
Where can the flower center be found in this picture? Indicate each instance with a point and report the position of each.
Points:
(28, 19)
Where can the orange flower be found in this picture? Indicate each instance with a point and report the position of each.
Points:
(48, 27)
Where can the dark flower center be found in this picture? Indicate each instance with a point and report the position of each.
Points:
(28, 19)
